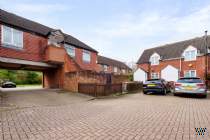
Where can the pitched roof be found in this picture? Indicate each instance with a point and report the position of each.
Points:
(31, 26)
(174, 50)
(111, 62)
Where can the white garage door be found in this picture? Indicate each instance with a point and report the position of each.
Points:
(140, 75)
(170, 73)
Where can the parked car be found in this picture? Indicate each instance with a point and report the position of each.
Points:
(156, 86)
(191, 85)
(8, 84)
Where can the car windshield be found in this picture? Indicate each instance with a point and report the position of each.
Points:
(190, 80)
(153, 81)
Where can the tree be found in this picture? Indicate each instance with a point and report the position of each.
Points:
(21, 77)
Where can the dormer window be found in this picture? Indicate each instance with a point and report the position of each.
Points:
(154, 59)
(190, 53)
(56, 37)
(70, 50)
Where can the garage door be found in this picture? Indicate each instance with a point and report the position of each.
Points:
(170, 73)
(140, 75)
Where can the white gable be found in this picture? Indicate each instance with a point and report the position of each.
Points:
(170, 73)
(190, 48)
(155, 54)
(190, 53)
(154, 59)
(140, 75)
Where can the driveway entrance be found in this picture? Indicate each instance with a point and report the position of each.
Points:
(53, 115)
(21, 98)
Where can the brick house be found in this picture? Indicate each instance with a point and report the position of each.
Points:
(108, 65)
(181, 59)
(25, 44)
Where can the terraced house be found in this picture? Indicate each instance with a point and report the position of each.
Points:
(187, 58)
(64, 60)
(108, 65)
(28, 45)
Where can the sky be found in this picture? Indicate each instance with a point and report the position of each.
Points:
(120, 29)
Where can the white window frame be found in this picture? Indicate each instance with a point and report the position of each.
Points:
(105, 67)
(190, 54)
(154, 75)
(115, 69)
(123, 71)
(67, 46)
(11, 44)
(154, 59)
(190, 73)
(83, 56)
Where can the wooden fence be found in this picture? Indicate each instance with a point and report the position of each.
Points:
(99, 89)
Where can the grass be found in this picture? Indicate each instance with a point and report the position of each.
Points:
(28, 85)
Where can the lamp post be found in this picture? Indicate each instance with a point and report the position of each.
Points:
(206, 56)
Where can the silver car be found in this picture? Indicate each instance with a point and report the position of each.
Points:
(191, 85)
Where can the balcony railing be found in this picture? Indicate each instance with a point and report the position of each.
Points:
(54, 54)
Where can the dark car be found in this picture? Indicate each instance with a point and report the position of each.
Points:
(156, 86)
(8, 84)
(190, 85)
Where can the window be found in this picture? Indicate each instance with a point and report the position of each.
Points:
(115, 69)
(70, 50)
(154, 75)
(154, 59)
(105, 67)
(123, 71)
(190, 73)
(86, 56)
(190, 55)
(12, 37)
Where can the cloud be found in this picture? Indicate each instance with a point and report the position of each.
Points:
(49, 14)
(40, 8)
(131, 34)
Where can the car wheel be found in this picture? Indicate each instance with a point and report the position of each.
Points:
(204, 96)
(144, 92)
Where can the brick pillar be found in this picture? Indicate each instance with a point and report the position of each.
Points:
(53, 78)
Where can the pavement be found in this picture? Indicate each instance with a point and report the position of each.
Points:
(53, 115)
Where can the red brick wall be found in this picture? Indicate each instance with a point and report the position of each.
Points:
(33, 47)
(198, 65)
(71, 80)
(87, 66)
(54, 78)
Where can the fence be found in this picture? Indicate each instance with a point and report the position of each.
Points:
(99, 89)
(132, 86)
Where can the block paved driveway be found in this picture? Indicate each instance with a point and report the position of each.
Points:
(72, 116)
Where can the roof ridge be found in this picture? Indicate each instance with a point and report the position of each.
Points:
(167, 44)
(111, 59)
(174, 50)
(26, 19)
(40, 29)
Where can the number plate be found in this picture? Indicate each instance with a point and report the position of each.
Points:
(151, 85)
(188, 87)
